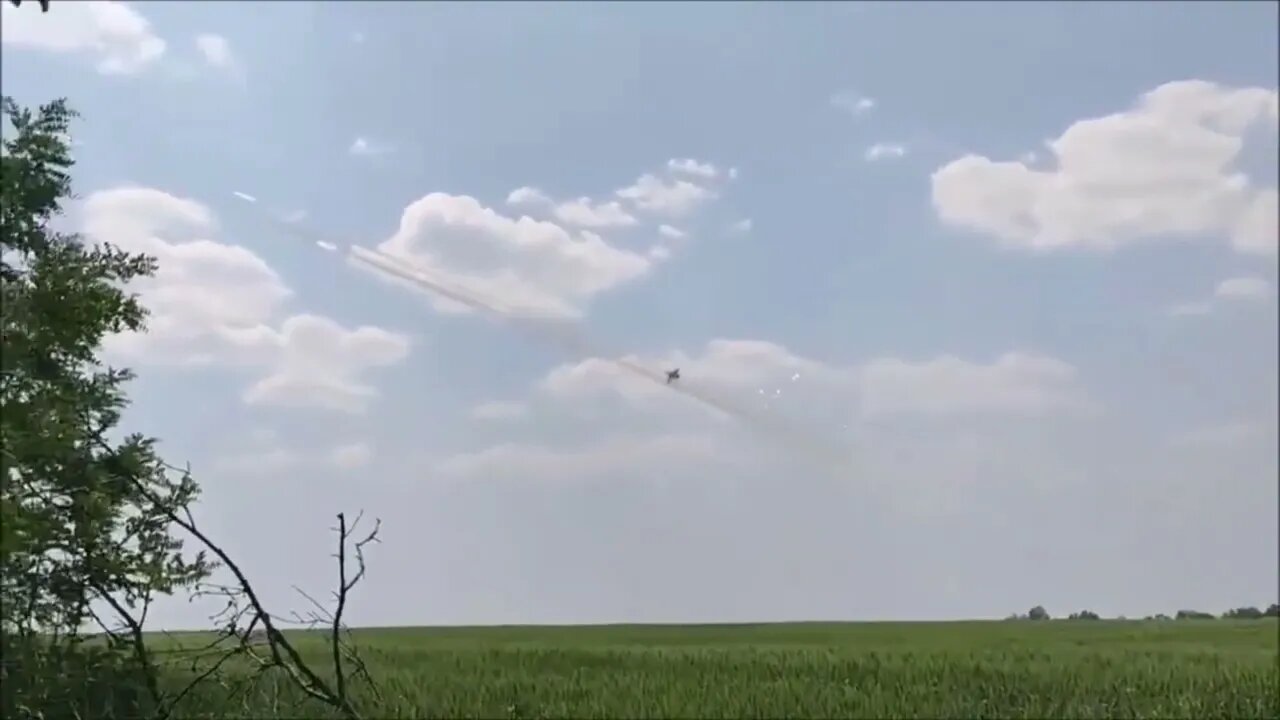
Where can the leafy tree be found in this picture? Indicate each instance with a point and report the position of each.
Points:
(1273, 610)
(1193, 615)
(1038, 613)
(85, 520)
(1244, 613)
(87, 523)
(1083, 615)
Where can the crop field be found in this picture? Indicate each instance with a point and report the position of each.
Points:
(1084, 669)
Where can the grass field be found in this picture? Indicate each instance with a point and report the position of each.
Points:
(1095, 669)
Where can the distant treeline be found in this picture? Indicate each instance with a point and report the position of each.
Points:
(1244, 613)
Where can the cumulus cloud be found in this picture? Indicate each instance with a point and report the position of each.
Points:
(318, 363)
(689, 166)
(1243, 288)
(782, 407)
(884, 150)
(364, 147)
(215, 303)
(1231, 290)
(216, 51)
(528, 196)
(583, 213)
(1014, 384)
(671, 233)
(671, 198)
(115, 35)
(1161, 169)
(547, 261)
(757, 372)
(853, 103)
(524, 265)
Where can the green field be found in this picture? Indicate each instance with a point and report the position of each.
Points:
(1096, 669)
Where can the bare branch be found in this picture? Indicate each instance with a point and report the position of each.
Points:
(243, 602)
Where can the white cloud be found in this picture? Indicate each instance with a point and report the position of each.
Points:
(364, 147)
(1013, 384)
(583, 213)
(216, 51)
(794, 404)
(499, 410)
(1016, 383)
(673, 198)
(1235, 289)
(853, 103)
(1243, 288)
(467, 256)
(1254, 232)
(358, 38)
(318, 363)
(671, 233)
(527, 196)
(537, 463)
(689, 166)
(524, 265)
(213, 303)
(881, 151)
(351, 455)
(1162, 169)
(117, 36)
(741, 227)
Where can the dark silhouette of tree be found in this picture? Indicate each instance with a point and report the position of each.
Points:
(1038, 613)
(1244, 613)
(44, 4)
(1193, 615)
(1083, 615)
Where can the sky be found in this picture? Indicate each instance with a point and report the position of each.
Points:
(974, 304)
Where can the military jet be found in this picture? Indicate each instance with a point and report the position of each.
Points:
(673, 375)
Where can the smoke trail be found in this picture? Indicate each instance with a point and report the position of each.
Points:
(569, 338)
(576, 344)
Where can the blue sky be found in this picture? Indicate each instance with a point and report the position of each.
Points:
(1040, 316)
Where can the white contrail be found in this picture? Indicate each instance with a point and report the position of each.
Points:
(570, 338)
(245, 196)
(826, 455)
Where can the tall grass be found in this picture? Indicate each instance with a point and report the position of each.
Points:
(1214, 669)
